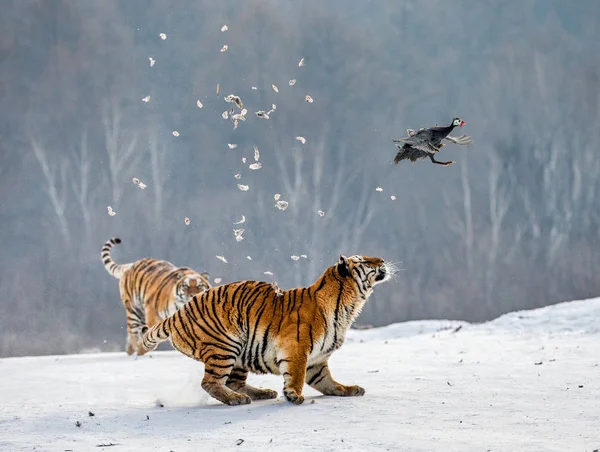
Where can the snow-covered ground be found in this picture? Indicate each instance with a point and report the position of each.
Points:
(527, 381)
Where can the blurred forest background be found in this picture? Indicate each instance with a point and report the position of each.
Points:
(514, 224)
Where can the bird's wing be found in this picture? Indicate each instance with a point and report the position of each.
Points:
(462, 139)
(410, 132)
(400, 140)
(426, 146)
(420, 141)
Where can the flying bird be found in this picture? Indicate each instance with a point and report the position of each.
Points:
(428, 142)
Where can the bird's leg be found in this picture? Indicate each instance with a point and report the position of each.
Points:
(440, 163)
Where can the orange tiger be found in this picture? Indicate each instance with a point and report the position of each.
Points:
(151, 290)
(255, 326)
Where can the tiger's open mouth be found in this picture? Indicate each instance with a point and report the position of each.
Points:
(382, 275)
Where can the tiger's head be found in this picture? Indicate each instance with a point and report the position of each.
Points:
(365, 271)
(191, 284)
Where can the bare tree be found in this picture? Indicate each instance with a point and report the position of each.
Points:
(157, 161)
(120, 151)
(80, 182)
(55, 178)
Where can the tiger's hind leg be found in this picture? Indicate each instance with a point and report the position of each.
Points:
(237, 382)
(319, 378)
(136, 320)
(216, 374)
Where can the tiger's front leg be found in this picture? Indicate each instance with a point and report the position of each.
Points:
(292, 366)
(319, 378)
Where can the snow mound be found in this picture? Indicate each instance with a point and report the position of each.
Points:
(582, 316)
(403, 330)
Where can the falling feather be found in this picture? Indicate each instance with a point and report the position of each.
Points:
(224, 48)
(321, 213)
(186, 221)
(255, 88)
(275, 88)
(276, 196)
(218, 280)
(238, 175)
(282, 205)
(308, 99)
(243, 159)
(243, 220)
(136, 181)
(142, 185)
(218, 90)
(249, 258)
(232, 145)
(295, 258)
(238, 234)
(379, 189)
(268, 273)
(301, 63)
(175, 133)
(235, 99)
(256, 153)
(163, 36)
(152, 61)
(301, 140)
(199, 104)
(224, 28)
(221, 258)
(146, 99)
(225, 114)
(110, 211)
(292, 82)
(255, 166)
(243, 187)
(277, 289)
(393, 198)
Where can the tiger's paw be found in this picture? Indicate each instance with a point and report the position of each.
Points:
(238, 399)
(263, 394)
(293, 396)
(353, 391)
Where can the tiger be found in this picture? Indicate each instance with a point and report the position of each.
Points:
(151, 290)
(253, 326)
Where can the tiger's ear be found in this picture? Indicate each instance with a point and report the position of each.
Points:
(178, 276)
(205, 275)
(342, 266)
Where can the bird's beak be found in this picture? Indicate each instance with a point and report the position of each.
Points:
(462, 123)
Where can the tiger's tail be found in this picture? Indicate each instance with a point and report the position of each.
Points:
(157, 334)
(112, 268)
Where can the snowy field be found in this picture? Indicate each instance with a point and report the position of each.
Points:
(527, 381)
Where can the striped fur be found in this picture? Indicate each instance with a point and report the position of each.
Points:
(252, 326)
(151, 290)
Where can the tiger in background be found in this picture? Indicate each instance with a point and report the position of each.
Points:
(151, 290)
(255, 326)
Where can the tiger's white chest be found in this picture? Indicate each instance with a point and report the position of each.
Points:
(335, 332)
(330, 342)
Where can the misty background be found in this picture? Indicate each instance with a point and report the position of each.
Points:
(514, 224)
